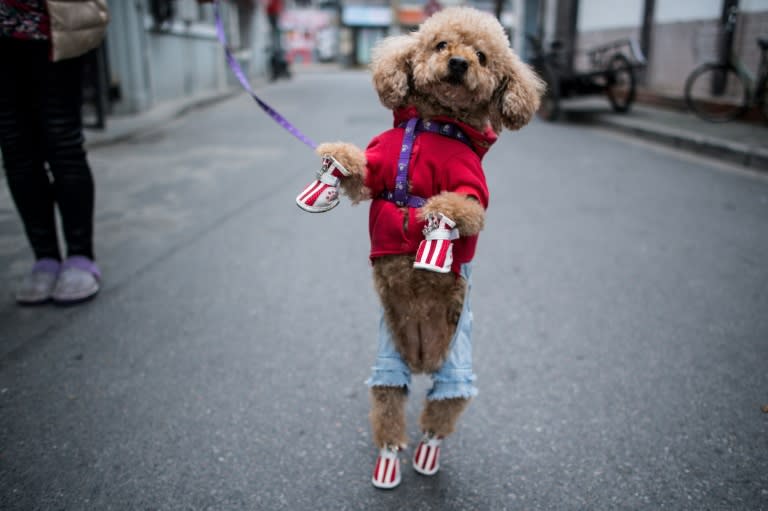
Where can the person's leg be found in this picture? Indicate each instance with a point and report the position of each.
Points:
(21, 142)
(274, 32)
(66, 156)
(72, 180)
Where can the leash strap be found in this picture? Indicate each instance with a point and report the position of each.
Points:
(234, 65)
(444, 128)
(400, 195)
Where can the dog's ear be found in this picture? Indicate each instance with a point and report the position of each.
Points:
(517, 97)
(391, 69)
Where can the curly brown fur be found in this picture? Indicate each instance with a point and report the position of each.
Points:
(421, 308)
(388, 416)
(391, 69)
(518, 99)
(468, 214)
(353, 159)
(492, 87)
(497, 88)
(439, 417)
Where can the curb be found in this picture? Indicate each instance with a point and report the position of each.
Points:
(755, 158)
(124, 128)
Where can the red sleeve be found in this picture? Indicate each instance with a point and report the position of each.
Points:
(465, 176)
(378, 156)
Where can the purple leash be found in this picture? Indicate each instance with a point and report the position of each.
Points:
(234, 65)
(401, 194)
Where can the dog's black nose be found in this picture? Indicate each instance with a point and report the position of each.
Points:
(458, 66)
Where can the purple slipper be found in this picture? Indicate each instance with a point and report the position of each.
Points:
(37, 286)
(78, 281)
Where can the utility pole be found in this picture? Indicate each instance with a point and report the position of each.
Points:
(646, 35)
(730, 7)
(498, 7)
(566, 30)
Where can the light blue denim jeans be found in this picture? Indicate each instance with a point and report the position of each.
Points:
(454, 379)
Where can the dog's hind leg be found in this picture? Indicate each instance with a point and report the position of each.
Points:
(421, 309)
(436, 333)
(440, 416)
(438, 420)
(388, 416)
(389, 433)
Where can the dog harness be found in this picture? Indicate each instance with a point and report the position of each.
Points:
(413, 127)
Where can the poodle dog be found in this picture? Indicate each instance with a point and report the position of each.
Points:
(452, 86)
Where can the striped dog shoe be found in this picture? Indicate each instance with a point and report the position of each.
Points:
(435, 251)
(426, 459)
(386, 473)
(323, 193)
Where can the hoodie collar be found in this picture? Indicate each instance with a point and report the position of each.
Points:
(481, 140)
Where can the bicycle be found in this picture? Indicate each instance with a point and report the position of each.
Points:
(722, 91)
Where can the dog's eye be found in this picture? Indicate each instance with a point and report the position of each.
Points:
(481, 58)
(441, 46)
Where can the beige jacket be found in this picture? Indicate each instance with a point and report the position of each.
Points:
(76, 26)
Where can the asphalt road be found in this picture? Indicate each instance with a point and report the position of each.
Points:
(621, 329)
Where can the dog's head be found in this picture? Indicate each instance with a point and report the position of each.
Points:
(458, 63)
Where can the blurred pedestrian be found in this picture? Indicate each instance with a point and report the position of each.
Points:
(278, 63)
(274, 10)
(41, 138)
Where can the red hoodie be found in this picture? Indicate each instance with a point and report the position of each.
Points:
(438, 163)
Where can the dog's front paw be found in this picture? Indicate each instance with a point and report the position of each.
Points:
(322, 194)
(349, 156)
(466, 211)
(435, 251)
(352, 159)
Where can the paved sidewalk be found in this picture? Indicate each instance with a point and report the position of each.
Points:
(122, 128)
(743, 143)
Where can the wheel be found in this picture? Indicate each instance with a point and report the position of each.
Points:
(549, 110)
(621, 83)
(717, 92)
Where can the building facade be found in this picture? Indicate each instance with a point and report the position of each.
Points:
(158, 51)
(165, 50)
(676, 35)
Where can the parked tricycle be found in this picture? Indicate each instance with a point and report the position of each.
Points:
(611, 71)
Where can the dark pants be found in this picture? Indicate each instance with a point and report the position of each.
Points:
(41, 138)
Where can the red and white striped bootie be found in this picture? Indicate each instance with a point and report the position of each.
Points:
(426, 458)
(435, 252)
(386, 473)
(323, 193)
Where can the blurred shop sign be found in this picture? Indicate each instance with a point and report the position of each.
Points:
(366, 16)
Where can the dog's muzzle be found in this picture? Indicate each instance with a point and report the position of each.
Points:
(457, 68)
